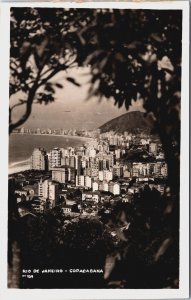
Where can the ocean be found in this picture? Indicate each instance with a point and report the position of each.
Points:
(21, 147)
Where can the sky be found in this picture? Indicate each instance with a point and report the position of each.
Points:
(71, 109)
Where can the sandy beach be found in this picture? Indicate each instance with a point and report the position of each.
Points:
(19, 166)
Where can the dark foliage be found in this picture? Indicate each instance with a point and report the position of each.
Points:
(52, 242)
(146, 257)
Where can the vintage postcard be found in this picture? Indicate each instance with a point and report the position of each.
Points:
(95, 161)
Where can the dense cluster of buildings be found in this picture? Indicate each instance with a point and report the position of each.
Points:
(109, 167)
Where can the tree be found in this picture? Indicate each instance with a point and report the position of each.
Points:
(42, 45)
(138, 57)
(146, 257)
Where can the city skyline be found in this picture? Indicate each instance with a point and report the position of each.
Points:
(99, 165)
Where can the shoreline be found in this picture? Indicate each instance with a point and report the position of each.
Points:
(60, 135)
(20, 166)
(23, 162)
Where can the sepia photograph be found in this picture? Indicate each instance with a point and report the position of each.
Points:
(94, 148)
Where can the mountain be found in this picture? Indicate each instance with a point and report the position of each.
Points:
(130, 121)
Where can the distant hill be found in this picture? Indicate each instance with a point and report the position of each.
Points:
(130, 121)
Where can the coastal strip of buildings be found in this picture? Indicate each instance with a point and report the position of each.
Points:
(110, 166)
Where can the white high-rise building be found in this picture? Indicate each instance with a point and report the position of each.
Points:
(114, 188)
(100, 176)
(80, 180)
(105, 186)
(38, 160)
(88, 182)
(48, 190)
(105, 175)
(95, 186)
(60, 175)
(55, 158)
